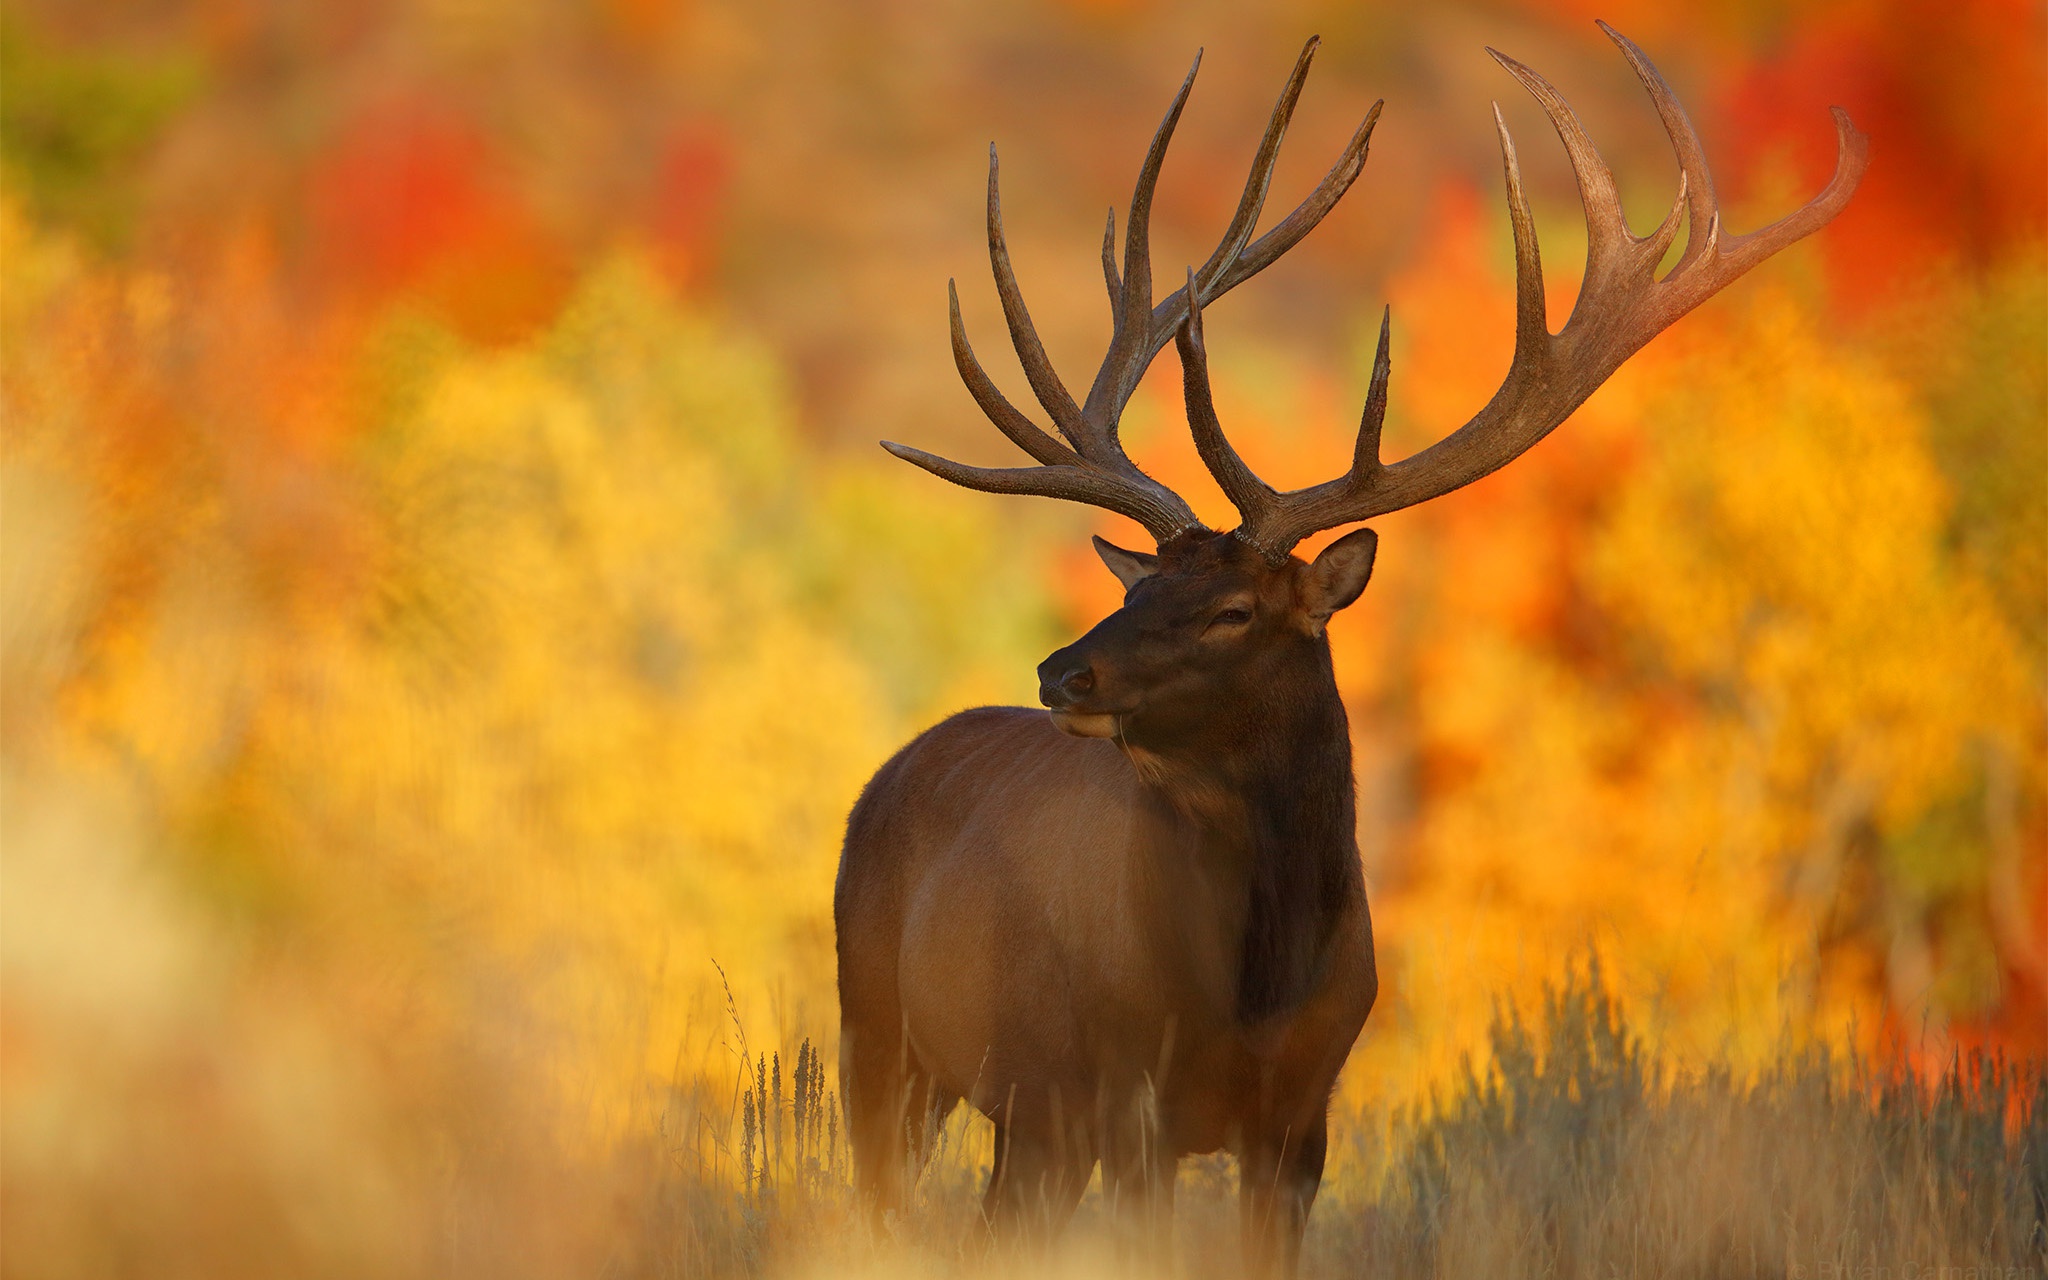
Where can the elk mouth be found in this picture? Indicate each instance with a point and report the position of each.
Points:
(1085, 724)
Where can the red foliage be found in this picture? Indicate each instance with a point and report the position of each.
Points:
(689, 199)
(407, 201)
(1951, 98)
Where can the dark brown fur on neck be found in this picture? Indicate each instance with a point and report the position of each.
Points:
(1270, 792)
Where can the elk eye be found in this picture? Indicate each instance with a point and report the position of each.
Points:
(1231, 618)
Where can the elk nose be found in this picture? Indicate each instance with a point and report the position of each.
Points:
(1060, 688)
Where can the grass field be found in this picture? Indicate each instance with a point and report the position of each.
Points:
(1571, 1150)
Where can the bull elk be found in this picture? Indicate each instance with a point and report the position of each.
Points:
(1136, 927)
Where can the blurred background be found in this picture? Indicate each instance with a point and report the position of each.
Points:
(451, 593)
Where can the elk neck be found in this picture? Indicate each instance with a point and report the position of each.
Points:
(1265, 797)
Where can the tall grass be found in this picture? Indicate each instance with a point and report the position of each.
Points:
(1576, 1151)
(1571, 1150)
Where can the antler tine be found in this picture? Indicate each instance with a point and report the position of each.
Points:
(1703, 208)
(1713, 259)
(1095, 469)
(1026, 434)
(1532, 332)
(1365, 454)
(1739, 253)
(1252, 496)
(1622, 305)
(1112, 483)
(1159, 509)
(1137, 296)
(1260, 504)
(1110, 276)
(1129, 354)
(1288, 232)
(1272, 518)
(1237, 256)
(1045, 384)
(1259, 180)
(1852, 157)
(1611, 248)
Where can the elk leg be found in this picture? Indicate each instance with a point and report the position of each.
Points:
(1036, 1181)
(927, 1104)
(1279, 1175)
(893, 1112)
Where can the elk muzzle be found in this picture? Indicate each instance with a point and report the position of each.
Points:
(1065, 681)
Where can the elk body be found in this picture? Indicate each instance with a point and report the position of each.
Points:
(1134, 926)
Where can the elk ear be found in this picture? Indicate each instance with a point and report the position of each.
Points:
(1130, 567)
(1338, 576)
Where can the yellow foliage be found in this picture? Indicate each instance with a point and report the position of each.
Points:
(1810, 575)
(568, 698)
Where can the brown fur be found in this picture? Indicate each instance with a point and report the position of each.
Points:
(1122, 950)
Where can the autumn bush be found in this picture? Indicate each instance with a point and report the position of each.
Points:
(1574, 1149)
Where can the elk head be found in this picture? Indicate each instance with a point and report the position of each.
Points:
(1214, 623)
(1208, 625)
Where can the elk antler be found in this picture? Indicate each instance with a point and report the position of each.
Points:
(1088, 463)
(1621, 306)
